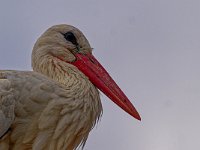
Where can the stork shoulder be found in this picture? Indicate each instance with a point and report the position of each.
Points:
(7, 104)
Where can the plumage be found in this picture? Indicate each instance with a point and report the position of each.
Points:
(41, 111)
(55, 106)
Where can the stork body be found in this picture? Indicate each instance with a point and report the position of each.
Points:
(55, 106)
(46, 115)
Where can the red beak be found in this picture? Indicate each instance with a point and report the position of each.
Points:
(88, 64)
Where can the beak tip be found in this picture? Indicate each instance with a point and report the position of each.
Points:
(137, 116)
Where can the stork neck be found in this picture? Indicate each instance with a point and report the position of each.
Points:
(73, 81)
(62, 72)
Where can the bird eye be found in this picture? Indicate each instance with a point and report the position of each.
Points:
(69, 36)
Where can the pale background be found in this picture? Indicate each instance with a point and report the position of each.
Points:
(150, 47)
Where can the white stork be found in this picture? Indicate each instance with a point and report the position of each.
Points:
(55, 106)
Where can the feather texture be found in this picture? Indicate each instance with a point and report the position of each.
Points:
(53, 107)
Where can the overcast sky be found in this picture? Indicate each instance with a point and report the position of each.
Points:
(150, 47)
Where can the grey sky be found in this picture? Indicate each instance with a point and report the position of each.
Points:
(150, 47)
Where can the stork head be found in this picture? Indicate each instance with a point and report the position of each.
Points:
(69, 45)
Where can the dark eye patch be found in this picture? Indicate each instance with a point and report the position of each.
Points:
(69, 36)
